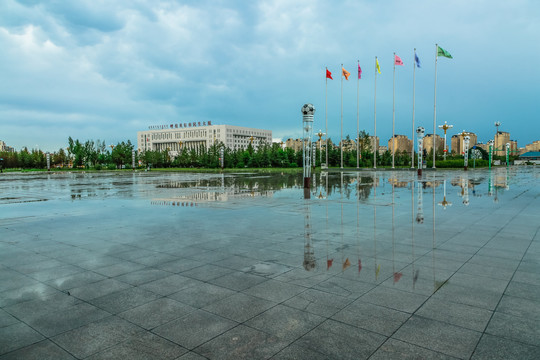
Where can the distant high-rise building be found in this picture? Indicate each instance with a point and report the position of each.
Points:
(500, 141)
(295, 144)
(4, 147)
(403, 143)
(428, 143)
(457, 142)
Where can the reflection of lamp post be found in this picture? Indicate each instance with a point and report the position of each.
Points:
(490, 148)
(445, 203)
(308, 110)
(320, 134)
(420, 131)
(445, 127)
(466, 152)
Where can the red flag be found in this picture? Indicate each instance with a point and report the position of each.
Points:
(328, 74)
(397, 60)
(359, 72)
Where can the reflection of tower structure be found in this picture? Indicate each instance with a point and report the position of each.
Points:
(377, 267)
(465, 189)
(308, 110)
(420, 205)
(309, 251)
(445, 203)
(445, 127)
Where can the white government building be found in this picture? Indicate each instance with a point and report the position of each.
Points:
(175, 137)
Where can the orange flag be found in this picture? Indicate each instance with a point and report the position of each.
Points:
(345, 73)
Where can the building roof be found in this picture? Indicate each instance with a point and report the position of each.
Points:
(530, 154)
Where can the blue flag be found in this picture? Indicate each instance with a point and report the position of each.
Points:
(416, 60)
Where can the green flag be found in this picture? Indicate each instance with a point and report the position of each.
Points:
(442, 52)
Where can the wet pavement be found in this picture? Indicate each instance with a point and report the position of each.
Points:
(378, 265)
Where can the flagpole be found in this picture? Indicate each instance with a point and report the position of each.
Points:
(326, 115)
(375, 150)
(413, 88)
(394, 114)
(341, 143)
(435, 105)
(357, 118)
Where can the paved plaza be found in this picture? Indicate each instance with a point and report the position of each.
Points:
(375, 265)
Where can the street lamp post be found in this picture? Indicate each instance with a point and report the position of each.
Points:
(466, 152)
(445, 127)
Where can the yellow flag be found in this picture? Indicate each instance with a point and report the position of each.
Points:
(377, 66)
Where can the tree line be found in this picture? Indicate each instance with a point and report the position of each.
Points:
(97, 155)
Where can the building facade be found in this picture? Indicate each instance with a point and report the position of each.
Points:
(428, 143)
(402, 143)
(457, 142)
(501, 139)
(176, 137)
(4, 147)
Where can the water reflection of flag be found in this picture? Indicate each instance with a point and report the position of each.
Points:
(377, 270)
(346, 264)
(359, 265)
(329, 263)
(397, 277)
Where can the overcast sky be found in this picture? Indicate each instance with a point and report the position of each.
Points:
(100, 69)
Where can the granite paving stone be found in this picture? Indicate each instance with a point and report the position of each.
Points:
(371, 317)
(16, 336)
(98, 289)
(498, 348)
(526, 330)
(438, 336)
(394, 349)
(466, 316)
(170, 284)
(274, 290)
(238, 281)
(395, 299)
(239, 307)
(338, 340)
(124, 300)
(206, 272)
(285, 322)
(6, 319)
(521, 307)
(41, 305)
(242, 342)
(299, 353)
(523, 290)
(144, 346)
(50, 323)
(195, 328)
(156, 313)
(202, 295)
(42, 350)
(96, 336)
(143, 276)
(318, 302)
